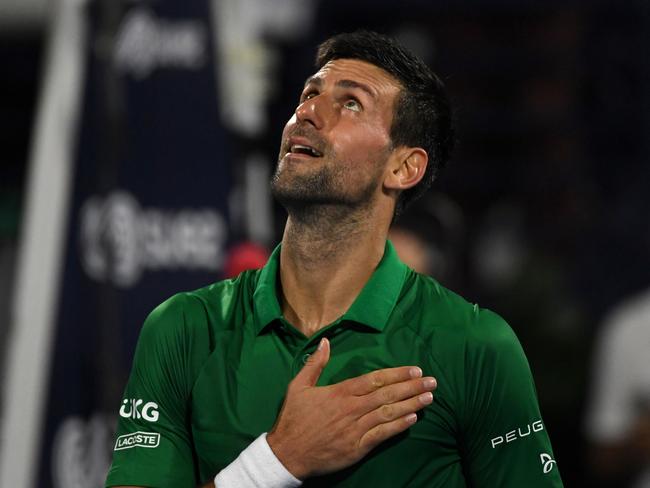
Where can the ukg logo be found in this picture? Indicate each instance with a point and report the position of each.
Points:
(134, 409)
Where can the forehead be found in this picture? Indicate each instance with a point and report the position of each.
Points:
(379, 81)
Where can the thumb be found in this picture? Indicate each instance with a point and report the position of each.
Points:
(314, 366)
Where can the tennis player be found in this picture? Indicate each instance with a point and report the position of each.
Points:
(336, 365)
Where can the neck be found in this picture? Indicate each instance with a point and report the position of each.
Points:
(325, 262)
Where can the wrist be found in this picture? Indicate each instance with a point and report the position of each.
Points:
(256, 467)
(285, 455)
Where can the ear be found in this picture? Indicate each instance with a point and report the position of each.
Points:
(407, 168)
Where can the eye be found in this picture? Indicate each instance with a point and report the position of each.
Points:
(307, 95)
(353, 105)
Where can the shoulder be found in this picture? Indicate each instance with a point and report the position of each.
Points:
(473, 351)
(195, 314)
(443, 314)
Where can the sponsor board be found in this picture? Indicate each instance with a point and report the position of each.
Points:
(147, 42)
(81, 452)
(120, 240)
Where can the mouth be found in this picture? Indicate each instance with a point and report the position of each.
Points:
(306, 150)
(304, 146)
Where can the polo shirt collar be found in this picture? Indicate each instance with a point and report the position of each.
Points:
(372, 307)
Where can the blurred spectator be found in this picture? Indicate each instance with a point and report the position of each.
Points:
(429, 238)
(243, 256)
(413, 249)
(618, 420)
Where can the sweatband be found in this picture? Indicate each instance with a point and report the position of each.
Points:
(256, 467)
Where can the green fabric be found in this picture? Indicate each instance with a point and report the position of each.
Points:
(217, 362)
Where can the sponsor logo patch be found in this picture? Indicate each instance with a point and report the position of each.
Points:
(133, 408)
(547, 462)
(518, 433)
(137, 439)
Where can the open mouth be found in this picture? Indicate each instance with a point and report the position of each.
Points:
(306, 150)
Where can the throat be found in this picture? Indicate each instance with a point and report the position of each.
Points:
(323, 238)
(322, 273)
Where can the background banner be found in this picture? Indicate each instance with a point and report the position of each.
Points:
(148, 215)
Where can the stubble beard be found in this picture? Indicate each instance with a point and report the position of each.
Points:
(320, 198)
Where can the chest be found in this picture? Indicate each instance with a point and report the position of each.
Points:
(240, 391)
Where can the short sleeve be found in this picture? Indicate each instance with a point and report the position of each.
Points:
(153, 446)
(505, 442)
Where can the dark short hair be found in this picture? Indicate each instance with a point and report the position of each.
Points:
(422, 115)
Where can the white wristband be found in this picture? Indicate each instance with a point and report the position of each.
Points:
(256, 467)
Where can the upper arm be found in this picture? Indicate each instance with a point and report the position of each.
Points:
(153, 442)
(505, 441)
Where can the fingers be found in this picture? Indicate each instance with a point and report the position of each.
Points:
(370, 382)
(387, 413)
(394, 409)
(311, 371)
(384, 431)
(401, 391)
(390, 419)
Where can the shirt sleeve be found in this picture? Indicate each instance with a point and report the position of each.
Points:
(504, 439)
(153, 442)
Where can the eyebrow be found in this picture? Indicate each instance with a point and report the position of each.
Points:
(318, 81)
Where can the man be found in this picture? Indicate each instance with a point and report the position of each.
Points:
(335, 346)
(617, 425)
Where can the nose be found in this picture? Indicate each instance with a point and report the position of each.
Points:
(311, 111)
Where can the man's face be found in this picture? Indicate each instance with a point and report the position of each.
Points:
(335, 146)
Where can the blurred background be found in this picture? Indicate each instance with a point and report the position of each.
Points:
(138, 137)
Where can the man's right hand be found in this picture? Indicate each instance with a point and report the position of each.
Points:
(325, 429)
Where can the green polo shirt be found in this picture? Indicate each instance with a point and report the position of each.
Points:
(212, 366)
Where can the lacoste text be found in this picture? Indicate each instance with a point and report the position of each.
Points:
(137, 439)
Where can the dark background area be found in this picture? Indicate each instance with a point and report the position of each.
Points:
(553, 107)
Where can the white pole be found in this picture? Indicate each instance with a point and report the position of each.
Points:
(34, 308)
